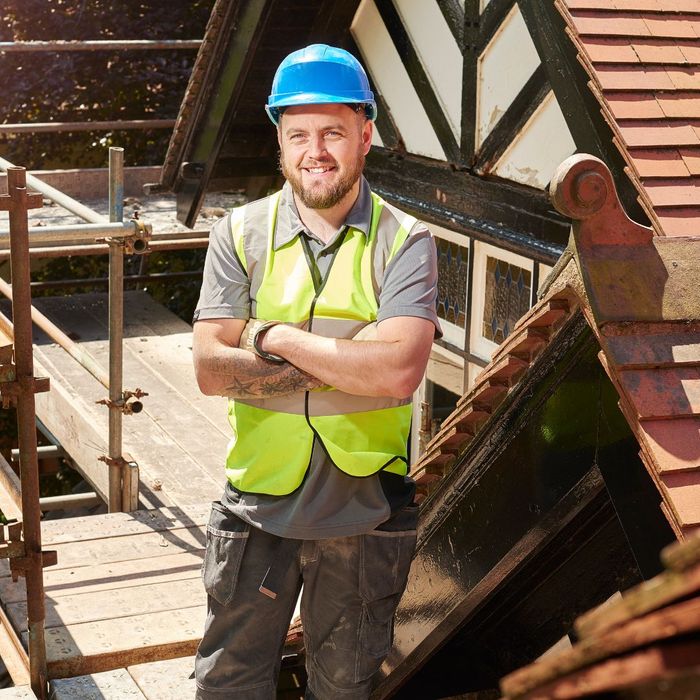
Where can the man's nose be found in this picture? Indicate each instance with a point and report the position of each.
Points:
(317, 146)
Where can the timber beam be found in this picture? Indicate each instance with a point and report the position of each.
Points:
(513, 217)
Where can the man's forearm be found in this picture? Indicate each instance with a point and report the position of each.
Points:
(365, 368)
(239, 374)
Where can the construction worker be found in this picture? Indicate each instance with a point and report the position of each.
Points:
(316, 318)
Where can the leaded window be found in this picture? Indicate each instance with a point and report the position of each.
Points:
(506, 299)
(453, 263)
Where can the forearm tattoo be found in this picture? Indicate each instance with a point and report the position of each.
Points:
(267, 379)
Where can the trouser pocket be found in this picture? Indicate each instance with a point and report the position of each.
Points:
(227, 536)
(385, 560)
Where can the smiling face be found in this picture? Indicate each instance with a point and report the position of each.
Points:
(322, 153)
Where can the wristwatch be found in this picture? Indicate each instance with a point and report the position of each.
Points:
(256, 338)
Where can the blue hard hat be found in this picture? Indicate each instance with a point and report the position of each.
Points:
(320, 74)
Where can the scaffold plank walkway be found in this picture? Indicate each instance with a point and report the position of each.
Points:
(126, 590)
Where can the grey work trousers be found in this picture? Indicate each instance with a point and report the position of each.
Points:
(351, 588)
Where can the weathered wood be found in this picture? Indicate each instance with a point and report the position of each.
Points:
(510, 216)
(100, 527)
(670, 622)
(643, 599)
(12, 653)
(175, 427)
(101, 646)
(66, 414)
(622, 672)
(117, 549)
(165, 680)
(459, 599)
(682, 556)
(108, 685)
(141, 598)
(148, 442)
(22, 692)
(10, 491)
(107, 577)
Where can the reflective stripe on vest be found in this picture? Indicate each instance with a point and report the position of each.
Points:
(273, 438)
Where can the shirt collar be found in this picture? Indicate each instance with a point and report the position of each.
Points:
(289, 225)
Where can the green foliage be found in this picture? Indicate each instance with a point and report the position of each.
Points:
(179, 295)
(97, 86)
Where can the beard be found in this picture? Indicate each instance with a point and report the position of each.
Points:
(323, 196)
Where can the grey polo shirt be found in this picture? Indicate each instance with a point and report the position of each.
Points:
(329, 503)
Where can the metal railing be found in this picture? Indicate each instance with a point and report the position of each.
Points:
(117, 236)
(20, 541)
(20, 386)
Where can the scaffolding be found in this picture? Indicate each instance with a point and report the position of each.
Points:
(20, 541)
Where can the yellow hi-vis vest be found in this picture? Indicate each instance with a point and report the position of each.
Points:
(273, 438)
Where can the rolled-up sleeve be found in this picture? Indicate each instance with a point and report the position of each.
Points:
(225, 291)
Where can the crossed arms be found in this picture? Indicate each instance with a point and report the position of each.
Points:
(392, 364)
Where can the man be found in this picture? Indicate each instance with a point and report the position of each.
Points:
(316, 318)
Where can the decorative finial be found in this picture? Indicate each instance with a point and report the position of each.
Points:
(581, 186)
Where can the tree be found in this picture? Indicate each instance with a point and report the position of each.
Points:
(94, 86)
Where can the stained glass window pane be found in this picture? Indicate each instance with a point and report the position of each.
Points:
(453, 260)
(507, 298)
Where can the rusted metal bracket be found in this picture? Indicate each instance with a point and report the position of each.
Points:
(12, 547)
(9, 386)
(20, 565)
(124, 404)
(136, 244)
(115, 461)
(10, 390)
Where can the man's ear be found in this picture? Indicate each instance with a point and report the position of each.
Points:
(367, 131)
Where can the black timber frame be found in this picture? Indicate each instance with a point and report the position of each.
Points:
(456, 199)
(208, 163)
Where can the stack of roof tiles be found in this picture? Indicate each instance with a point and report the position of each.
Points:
(645, 644)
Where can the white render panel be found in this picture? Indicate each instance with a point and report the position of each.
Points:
(503, 69)
(438, 53)
(376, 138)
(540, 147)
(384, 64)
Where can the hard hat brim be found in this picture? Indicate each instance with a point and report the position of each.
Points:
(298, 99)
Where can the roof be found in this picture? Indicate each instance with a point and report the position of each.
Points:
(640, 296)
(640, 292)
(643, 61)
